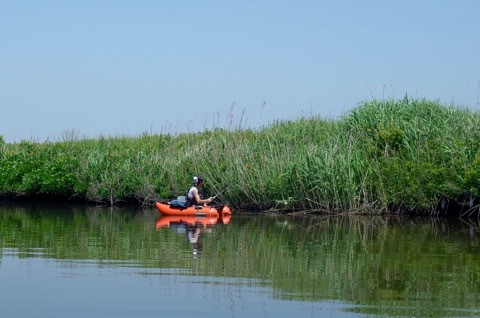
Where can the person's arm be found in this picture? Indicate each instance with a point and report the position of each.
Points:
(200, 201)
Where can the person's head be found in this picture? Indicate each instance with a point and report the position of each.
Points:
(197, 180)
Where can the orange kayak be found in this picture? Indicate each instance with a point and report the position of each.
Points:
(205, 211)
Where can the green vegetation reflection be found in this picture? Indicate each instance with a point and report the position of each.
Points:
(424, 268)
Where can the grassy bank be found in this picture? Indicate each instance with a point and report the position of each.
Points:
(383, 156)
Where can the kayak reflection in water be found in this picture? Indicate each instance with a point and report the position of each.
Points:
(192, 227)
(193, 235)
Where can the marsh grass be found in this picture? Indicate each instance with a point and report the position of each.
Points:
(383, 156)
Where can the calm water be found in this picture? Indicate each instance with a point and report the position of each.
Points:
(64, 261)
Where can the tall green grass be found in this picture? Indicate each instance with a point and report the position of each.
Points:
(383, 156)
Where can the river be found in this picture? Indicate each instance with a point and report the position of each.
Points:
(59, 260)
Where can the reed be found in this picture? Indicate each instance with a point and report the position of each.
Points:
(383, 156)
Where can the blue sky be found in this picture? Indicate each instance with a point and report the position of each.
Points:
(127, 67)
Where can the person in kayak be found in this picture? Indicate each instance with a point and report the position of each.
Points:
(193, 194)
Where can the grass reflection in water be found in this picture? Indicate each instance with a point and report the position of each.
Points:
(391, 266)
